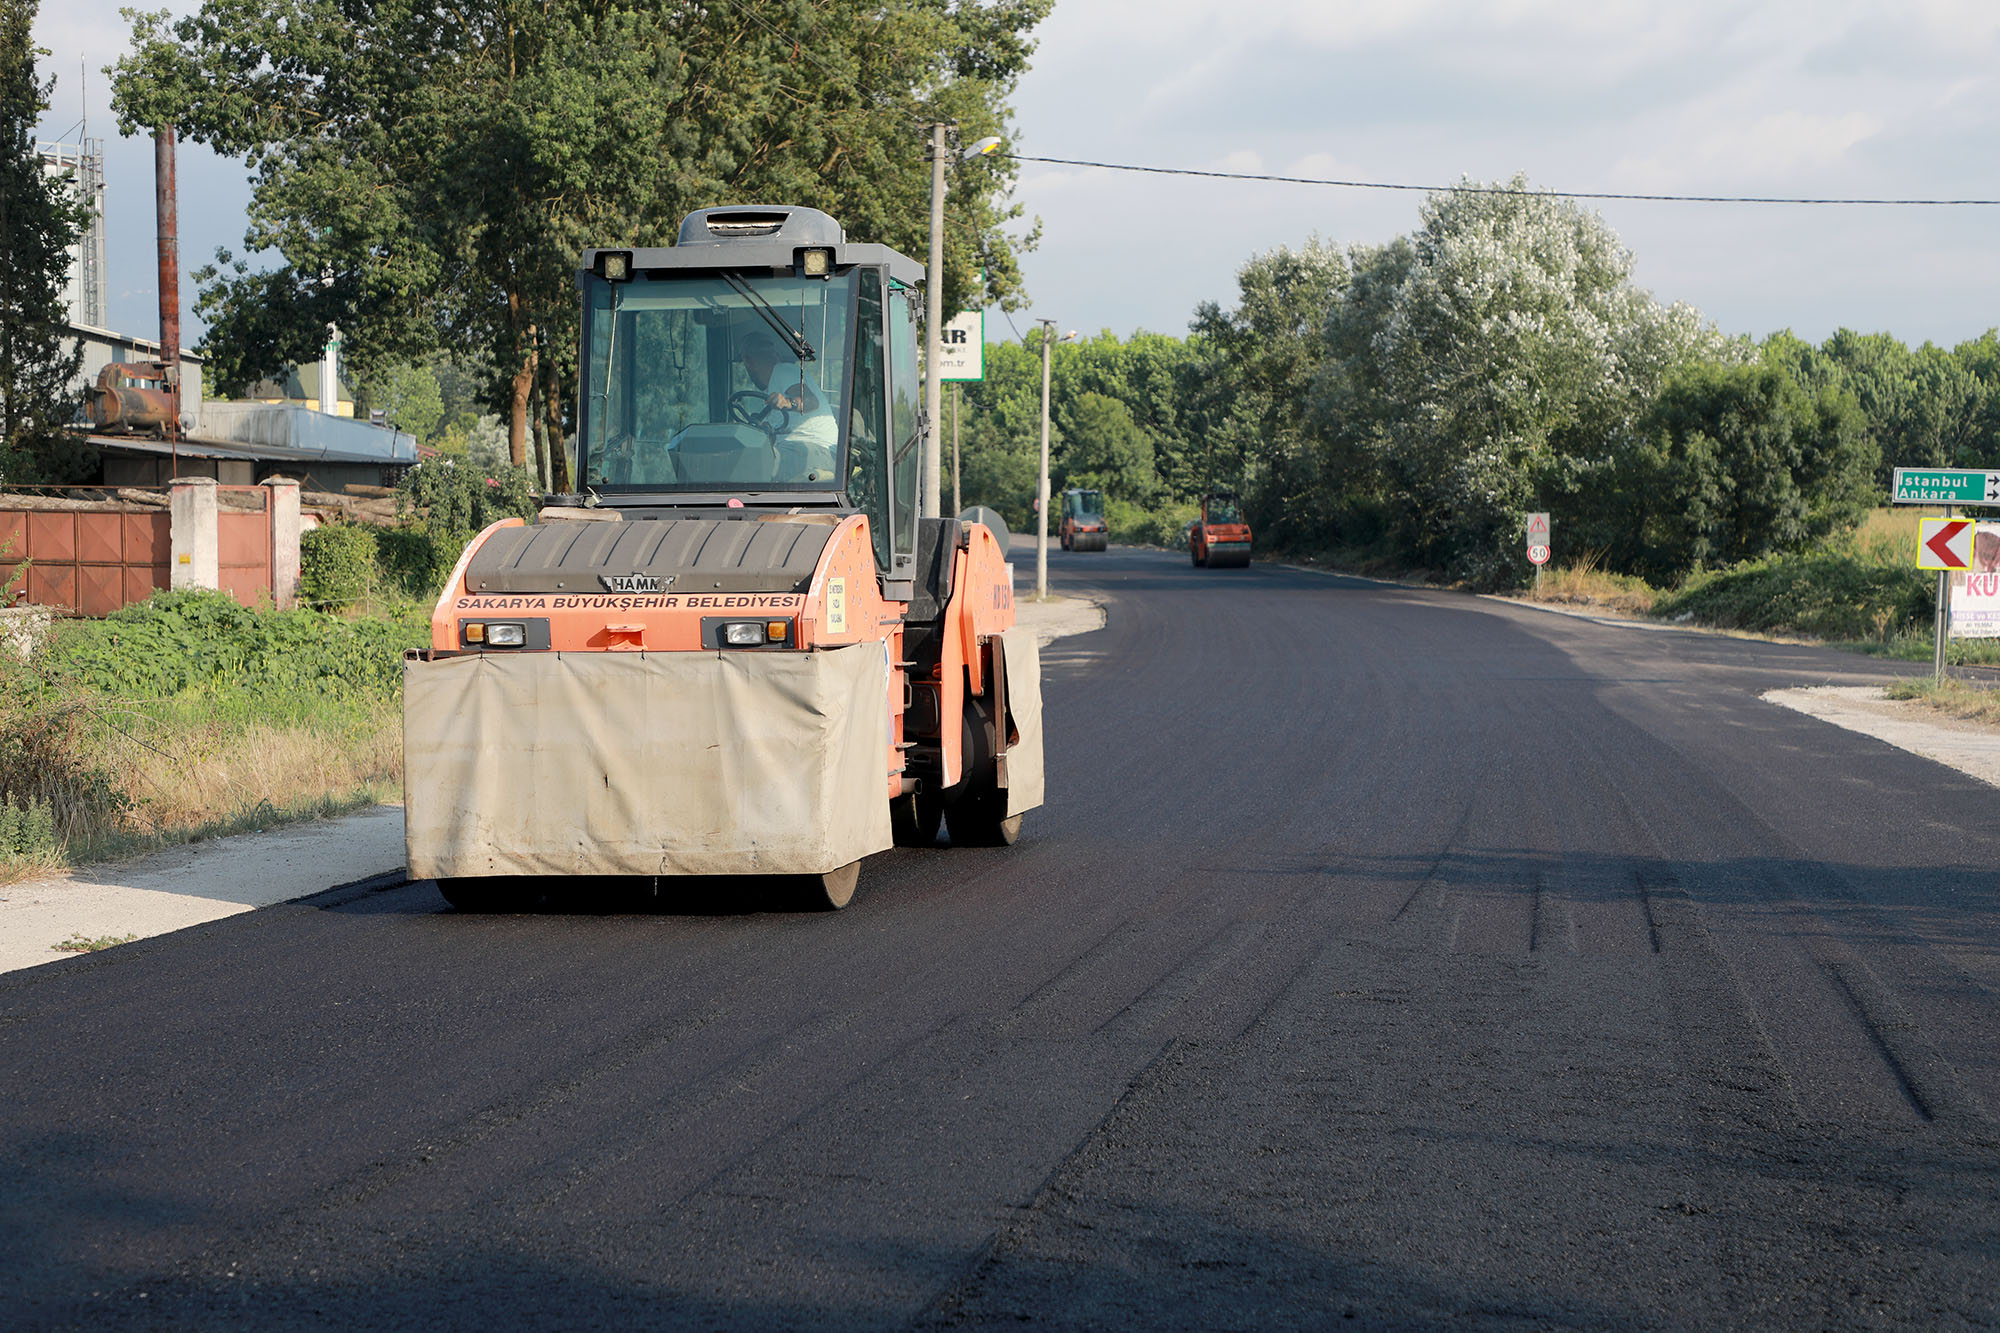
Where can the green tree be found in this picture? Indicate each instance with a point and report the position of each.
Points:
(1001, 444)
(1736, 462)
(411, 399)
(430, 176)
(1493, 362)
(40, 218)
(1981, 358)
(1106, 449)
(1247, 391)
(1145, 374)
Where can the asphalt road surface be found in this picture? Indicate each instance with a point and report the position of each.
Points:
(1384, 958)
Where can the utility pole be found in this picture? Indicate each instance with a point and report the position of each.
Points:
(1042, 477)
(1941, 627)
(933, 461)
(934, 329)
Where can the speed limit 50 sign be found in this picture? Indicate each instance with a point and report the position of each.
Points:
(1538, 538)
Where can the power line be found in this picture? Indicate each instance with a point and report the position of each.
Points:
(1501, 189)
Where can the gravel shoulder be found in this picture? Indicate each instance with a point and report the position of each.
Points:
(1973, 748)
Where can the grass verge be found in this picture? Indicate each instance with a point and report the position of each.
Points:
(1583, 584)
(1954, 698)
(189, 717)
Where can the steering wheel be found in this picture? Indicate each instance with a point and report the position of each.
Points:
(613, 463)
(739, 411)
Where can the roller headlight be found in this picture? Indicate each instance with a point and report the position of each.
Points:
(744, 633)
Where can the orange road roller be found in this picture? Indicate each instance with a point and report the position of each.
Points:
(739, 649)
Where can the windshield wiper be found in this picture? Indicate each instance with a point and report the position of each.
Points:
(801, 349)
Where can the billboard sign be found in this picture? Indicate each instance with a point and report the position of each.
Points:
(962, 348)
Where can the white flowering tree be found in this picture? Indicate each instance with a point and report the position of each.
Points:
(1499, 354)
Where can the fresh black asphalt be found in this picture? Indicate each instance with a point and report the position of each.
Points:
(1384, 958)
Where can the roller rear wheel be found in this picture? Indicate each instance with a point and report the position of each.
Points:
(831, 891)
(980, 819)
(914, 819)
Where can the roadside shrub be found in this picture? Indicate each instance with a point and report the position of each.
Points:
(451, 497)
(336, 565)
(445, 502)
(28, 831)
(1822, 595)
(1134, 525)
(189, 713)
(416, 562)
(52, 784)
(179, 640)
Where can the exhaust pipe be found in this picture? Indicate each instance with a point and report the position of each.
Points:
(170, 278)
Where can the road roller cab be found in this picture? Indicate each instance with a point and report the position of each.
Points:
(1083, 525)
(1220, 538)
(738, 648)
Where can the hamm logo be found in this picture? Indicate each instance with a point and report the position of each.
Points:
(635, 582)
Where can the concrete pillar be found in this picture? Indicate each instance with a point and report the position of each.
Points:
(197, 547)
(283, 508)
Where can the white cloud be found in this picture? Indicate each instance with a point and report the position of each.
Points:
(1806, 97)
(1726, 153)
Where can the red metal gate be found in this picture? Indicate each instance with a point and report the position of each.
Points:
(90, 562)
(243, 543)
(91, 556)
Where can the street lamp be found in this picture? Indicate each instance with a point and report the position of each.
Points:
(1042, 481)
(934, 314)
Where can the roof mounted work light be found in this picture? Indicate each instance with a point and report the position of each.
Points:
(614, 265)
(815, 262)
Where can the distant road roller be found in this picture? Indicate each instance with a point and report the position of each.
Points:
(1083, 525)
(739, 649)
(1220, 538)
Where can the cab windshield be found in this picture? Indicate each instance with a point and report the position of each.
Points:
(1086, 504)
(710, 382)
(1222, 509)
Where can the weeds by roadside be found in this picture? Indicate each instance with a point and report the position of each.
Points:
(188, 716)
(1585, 583)
(1955, 698)
(28, 837)
(1830, 595)
(78, 944)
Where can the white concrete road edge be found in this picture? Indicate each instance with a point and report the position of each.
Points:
(205, 881)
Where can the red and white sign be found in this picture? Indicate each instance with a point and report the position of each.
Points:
(1539, 554)
(1944, 543)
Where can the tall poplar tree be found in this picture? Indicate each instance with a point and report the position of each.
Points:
(40, 218)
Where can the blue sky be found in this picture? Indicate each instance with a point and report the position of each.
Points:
(1821, 98)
